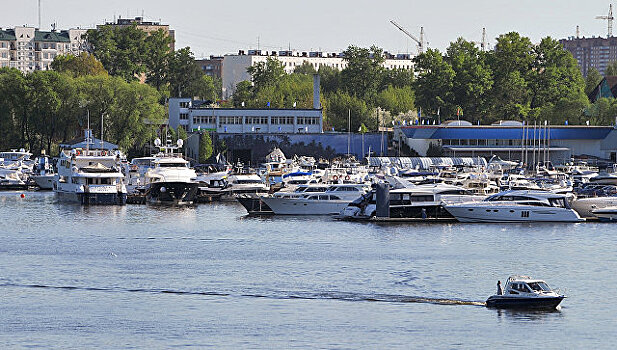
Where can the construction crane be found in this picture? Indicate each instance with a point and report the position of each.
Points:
(419, 42)
(609, 19)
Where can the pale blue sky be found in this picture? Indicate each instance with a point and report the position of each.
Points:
(220, 27)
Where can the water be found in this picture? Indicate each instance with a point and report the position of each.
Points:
(144, 277)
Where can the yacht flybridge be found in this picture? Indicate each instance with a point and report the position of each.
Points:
(516, 206)
(524, 292)
(89, 177)
(170, 181)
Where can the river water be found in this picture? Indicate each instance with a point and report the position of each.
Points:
(210, 276)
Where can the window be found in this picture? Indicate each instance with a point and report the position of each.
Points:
(184, 116)
(230, 120)
(256, 120)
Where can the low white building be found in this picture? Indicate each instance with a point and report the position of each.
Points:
(29, 49)
(234, 66)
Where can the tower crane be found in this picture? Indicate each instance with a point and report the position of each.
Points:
(609, 19)
(420, 42)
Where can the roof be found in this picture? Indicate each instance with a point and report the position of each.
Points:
(607, 87)
(53, 36)
(484, 132)
(7, 35)
(94, 143)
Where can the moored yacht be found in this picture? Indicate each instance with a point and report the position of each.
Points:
(43, 173)
(332, 201)
(170, 181)
(523, 292)
(516, 206)
(89, 177)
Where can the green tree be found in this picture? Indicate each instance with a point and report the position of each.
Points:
(121, 50)
(611, 69)
(472, 78)
(341, 105)
(330, 79)
(14, 108)
(205, 88)
(397, 78)
(434, 83)
(396, 99)
(243, 94)
(77, 66)
(205, 147)
(305, 68)
(157, 58)
(593, 79)
(511, 62)
(185, 76)
(266, 73)
(363, 74)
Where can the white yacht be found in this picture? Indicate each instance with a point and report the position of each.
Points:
(411, 202)
(587, 207)
(523, 292)
(171, 180)
(606, 214)
(332, 201)
(15, 168)
(43, 173)
(89, 177)
(516, 206)
(247, 183)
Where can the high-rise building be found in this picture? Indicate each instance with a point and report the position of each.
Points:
(595, 52)
(29, 49)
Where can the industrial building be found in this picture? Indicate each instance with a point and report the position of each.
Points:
(512, 141)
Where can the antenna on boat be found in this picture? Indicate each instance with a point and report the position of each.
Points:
(102, 144)
(88, 133)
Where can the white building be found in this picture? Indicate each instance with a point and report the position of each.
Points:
(29, 49)
(234, 66)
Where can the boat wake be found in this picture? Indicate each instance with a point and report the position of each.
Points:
(327, 295)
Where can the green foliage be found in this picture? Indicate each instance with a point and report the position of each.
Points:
(205, 147)
(268, 73)
(157, 58)
(593, 79)
(434, 83)
(185, 76)
(396, 99)
(330, 79)
(611, 69)
(340, 105)
(78, 66)
(363, 75)
(305, 68)
(121, 50)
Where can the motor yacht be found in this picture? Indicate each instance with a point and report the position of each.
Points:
(331, 201)
(606, 214)
(89, 177)
(586, 207)
(412, 202)
(43, 173)
(516, 206)
(171, 181)
(246, 183)
(524, 292)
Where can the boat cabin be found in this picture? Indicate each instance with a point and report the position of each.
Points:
(518, 285)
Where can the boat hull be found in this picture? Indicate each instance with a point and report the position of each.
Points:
(172, 193)
(488, 214)
(511, 302)
(45, 182)
(302, 206)
(253, 204)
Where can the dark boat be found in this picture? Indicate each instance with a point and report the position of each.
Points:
(523, 292)
(177, 193)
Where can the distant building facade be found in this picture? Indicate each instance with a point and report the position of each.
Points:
(590, 53)
(212, 66)
(29, 49)
(147, 27)
(234, 66)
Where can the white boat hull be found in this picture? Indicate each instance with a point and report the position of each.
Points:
(514, 213)
(45, 182)
(302, 206)
(585, 206)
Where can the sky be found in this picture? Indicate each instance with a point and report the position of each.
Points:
(224, 27)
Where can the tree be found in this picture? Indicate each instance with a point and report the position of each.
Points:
(243, 94)
(266, 73)
(511, 62)
(205, 147)
(472, 78)
(330, 79)
(305, 68)
(363, 74)
(204, 88)
(14, 108)
(157, 58)
(78, 66)
(341, 105)
(185, 76)
(121, 50)
(396, 99)
(611, 69)
(593, 79)
(434, 83)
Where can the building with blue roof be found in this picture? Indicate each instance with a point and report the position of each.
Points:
(512, 140)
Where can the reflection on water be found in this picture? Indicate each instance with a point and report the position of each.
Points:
(517, 315)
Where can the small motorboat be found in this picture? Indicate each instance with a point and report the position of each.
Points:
(606, 214)
(523, 292)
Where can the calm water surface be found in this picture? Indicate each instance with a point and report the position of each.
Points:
(209, 276)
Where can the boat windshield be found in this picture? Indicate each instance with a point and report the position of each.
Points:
(557, 202)
(539, 286)
(172, 165)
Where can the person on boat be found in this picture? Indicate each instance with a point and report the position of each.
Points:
(499, 289)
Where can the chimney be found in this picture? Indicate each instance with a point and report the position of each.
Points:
(316, 82)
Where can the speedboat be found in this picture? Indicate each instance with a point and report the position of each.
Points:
(524, 292)
(516, 206)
